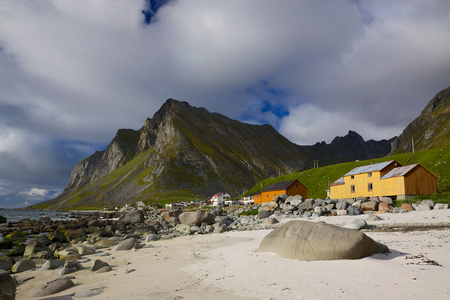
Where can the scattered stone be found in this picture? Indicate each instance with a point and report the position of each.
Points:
(383, 208)
(430, 203)
(369, 206)
(5, 265)
(272, 221)
(407, 206)
(85, 250)
(52, 264)
(131, 217)
(440, 206)
(98, 264)
(341, 212)
(36, 249)
(7, 286)
(53, 287)
(309, 241)
(3, 219)
(129, 271)
(356, 224)
(125, 245)
(171, 214)
(104, 269)
(58, 237)
(374, 218)
(23, 265)
(106, 243)
(197, 218)
(70, 267)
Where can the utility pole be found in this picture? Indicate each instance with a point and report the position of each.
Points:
(412, 143)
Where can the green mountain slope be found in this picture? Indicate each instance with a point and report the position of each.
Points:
(430, 130)
(316, 180)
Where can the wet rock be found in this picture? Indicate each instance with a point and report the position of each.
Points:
(57, 237)
(52, 264)
(36, 249)
(5, 265)
(7, 286)
(3, 220)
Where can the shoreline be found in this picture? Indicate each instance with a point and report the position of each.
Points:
(228, 266)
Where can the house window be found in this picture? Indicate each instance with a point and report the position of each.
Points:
(370, 187)
(352, 177)
(369, 174)
(352, 188)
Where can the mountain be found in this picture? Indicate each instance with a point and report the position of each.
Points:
(187, 152)
(430, 130)
(347, 148)
(182, 151)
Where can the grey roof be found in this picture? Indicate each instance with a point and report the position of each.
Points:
(340, 181)
(279, 186)
(370, 168)
(399, 171)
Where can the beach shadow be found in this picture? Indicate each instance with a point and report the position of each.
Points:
(388, 256)
(64, 297)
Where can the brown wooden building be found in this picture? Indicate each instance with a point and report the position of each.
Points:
(290, 188)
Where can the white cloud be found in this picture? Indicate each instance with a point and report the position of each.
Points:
(36, 192)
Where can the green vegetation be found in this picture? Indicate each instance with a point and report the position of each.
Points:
(316, 180)
(251, 212)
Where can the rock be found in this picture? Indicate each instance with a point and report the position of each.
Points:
(125, 245)
(3, 219)
(310, 241)
(341, 212)
(74, 234)
(36, 249)
(296, 200)
(53, 287)
(440, 206)
(319, 210)
(374, 218)
(383, 208)
(17, 250)
(52, 264)
(98, 264)
(356, 224)
(44, 239)
(306, 205)
(407, 206)
(7, 286)
(381, 248)
(171, 214)
(422, 207)
(369, 206)
(85, 250)
(264, 214)
(68, 254)
(430, 203)
(272, 221)
(58, 237)
(386, 200)
(354, 210)
(197, 218)
(287, 208)
(23, 265)
(106, 243)
(70, 267)
(131, 217)
(269, 206)
(151, 237)
(5, 265)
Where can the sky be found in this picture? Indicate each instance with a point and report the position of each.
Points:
(72, 72)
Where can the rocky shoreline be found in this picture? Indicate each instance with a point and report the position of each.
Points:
(65, 245)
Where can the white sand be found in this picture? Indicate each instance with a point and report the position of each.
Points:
(228, 266)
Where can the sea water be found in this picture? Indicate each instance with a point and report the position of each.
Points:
(17, 215)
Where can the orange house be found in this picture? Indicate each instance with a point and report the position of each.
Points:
(290, 188)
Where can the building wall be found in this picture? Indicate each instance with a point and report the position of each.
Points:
(417, 182)
(295, 189)
(420, 182)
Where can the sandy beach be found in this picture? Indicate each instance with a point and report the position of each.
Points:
(228, 266)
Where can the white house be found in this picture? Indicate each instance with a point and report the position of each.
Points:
(250, 199)
(220, 198)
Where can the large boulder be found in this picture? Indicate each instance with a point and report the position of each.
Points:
(369, 206)
(57, 237)
(7, 286)
(196, 218)
(310, 241)
(131, 217)
(3, 219)
(36, 249)
(23, 265)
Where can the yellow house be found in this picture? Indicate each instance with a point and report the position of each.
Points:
(290, 188)
(385, 179)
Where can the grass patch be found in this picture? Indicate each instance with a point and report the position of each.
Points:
(251, 212)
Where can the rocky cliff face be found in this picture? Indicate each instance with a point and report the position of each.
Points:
(431, 129)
